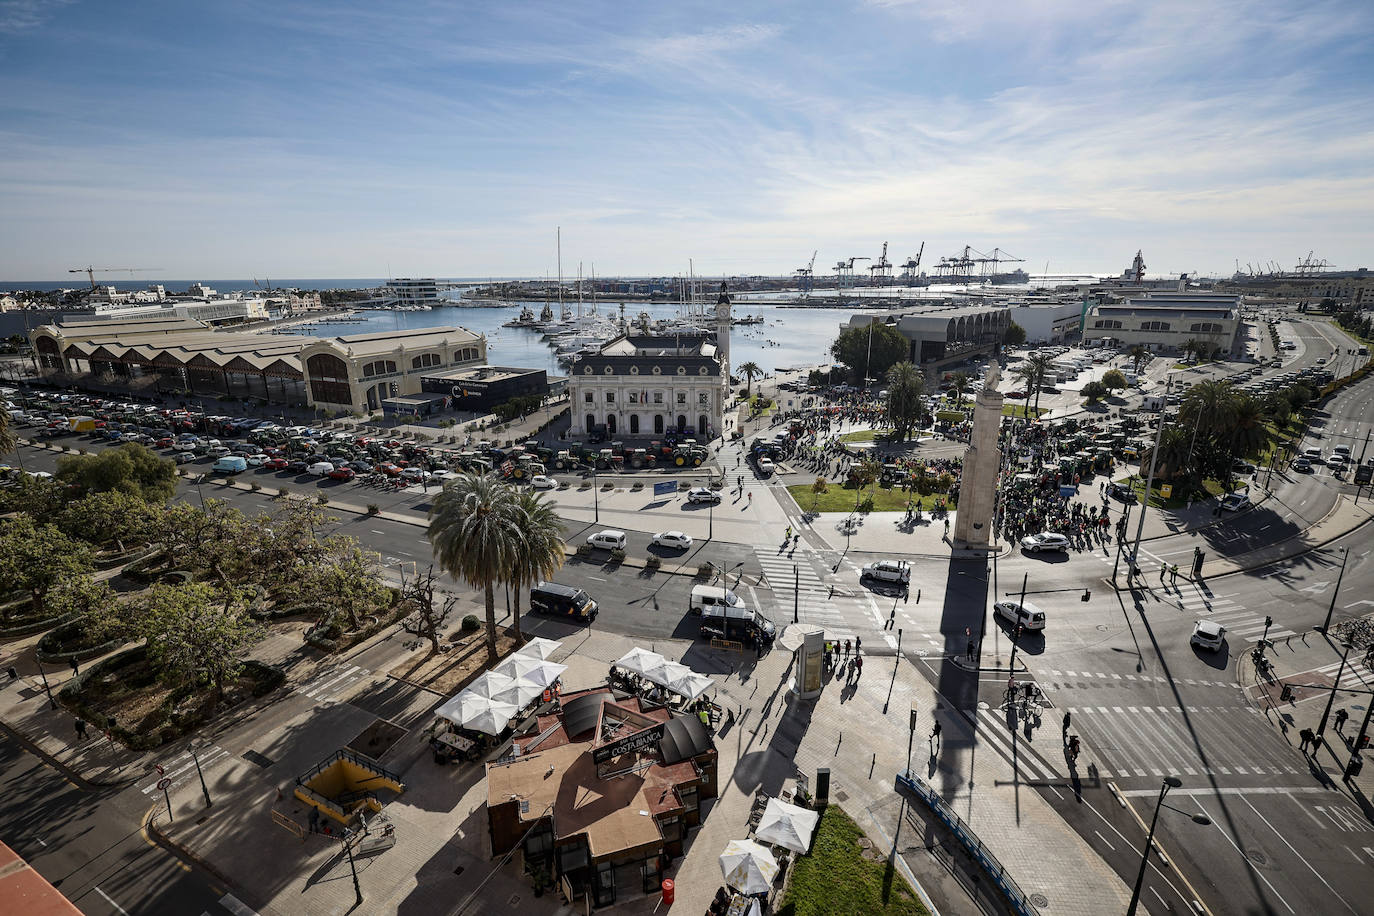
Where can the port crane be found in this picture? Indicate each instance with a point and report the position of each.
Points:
(998, 256)
(1308, 267)
(844, 272)
(805, 276)
(880, 271)
(911, 269)
(90, 272)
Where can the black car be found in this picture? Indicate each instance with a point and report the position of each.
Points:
(299, 466)
(1123, 493)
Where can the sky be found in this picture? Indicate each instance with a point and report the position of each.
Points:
(364, 139)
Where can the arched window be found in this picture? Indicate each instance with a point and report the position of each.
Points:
(380, 367)
(1154, 326)
(1107, 324)
(1205, 327)
(425, 360)
(49, 357)
(328, 377)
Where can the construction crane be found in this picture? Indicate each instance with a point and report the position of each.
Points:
(1138, 267)
(998, 256)
(880, 271)
(90, 272)
(911, 269)
(805, 275)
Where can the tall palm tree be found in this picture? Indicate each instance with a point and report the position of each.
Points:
(1173, 452)
(749, 370)
(1249, 431)
(474, 526)
(8, 441)
(905, 388)
(1032, 371)
(1209, 407)
(1137, 354)
(959, 384)
(538, 549)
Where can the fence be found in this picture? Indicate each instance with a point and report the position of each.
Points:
(1020, 903)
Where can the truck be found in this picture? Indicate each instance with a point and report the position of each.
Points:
(81, 424)
(1153, 402)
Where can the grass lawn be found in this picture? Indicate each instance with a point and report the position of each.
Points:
(838, 498)
(1021, 410)
(836, 880)
(863, 435)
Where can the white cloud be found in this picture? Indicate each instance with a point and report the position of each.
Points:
(18, 16)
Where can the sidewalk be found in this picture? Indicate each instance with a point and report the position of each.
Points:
(1309, 664)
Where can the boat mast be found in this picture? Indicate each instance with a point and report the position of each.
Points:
(562, 310)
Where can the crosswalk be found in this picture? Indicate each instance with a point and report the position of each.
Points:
(330, 685)
(833, 600)
(183, 767)
(1036, 761)
(235, 906)
(1055, 678)
(1243, 626)
(1154, 741)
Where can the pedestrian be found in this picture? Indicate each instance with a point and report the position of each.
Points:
(1341, 716)
(1067, 719)
(935, 736)
(314, 819)
(846, 648)
(80, 725)
(1162, 570)
(858, 645)
(1173, 574)
(76, 669)
(858, 667)
(1306, 736)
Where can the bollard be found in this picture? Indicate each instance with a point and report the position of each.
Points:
(918, 596)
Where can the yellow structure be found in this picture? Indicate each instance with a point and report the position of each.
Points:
(344, 783)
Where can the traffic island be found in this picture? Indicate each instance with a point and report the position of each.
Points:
(845, 874)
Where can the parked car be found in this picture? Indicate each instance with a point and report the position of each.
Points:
(1122, 492)
(609, 539)
(217, 451)
(677, 540)
(1208, 634)
(888, 571)
(342, 473)
(765, 466)
(1234, 502)
(299, 466)
(184, 457)
(320, 468)
(702, 495)
(276, 464)
(257, 461)
(415, 475)
(1046, 540)
(541, 482)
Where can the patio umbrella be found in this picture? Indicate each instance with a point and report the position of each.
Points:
(640, 661)
(748, 867)
(518, 692)
(489, 684)
(792, 637)
(528, 668)
(489, 716)
(539, 647)
(669, 673)
(691, 685)
(787, 825)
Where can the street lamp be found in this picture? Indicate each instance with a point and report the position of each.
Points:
(348, 848)
(596, 498)
(1170, 782)
(1345, 555)
(1335, 684)
(197, 743)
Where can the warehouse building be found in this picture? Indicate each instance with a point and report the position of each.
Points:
(1164, 322)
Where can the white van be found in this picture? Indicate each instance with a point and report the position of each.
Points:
(608, 540)
(710, 596)
(1027, 615)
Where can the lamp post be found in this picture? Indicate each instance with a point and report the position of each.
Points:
(596, 498)
(42, 674)
(1345, 555)
(1331, 697)
(796, 592)
(348, 848)
(1150, 481)
(1170, 782)
(197, 743)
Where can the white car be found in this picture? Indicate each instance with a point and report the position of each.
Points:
(1027, 615)
(765, 466)
(218, 451)
(1046, 540)
(609, 539)
(257, 461)
(676, 539)
(1234, 502)
(542, 482)
(445, 475)
(320, 468)
(888, 571)
(1208, 634)
(702, 495)
(415, 474)
(184, 457)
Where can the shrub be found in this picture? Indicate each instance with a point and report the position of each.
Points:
(617, 555)
(867, 504)
(283, 492)
(471, 624)
(654, 562)
(373, 508)
(705, 570)
(255, 486)
(322, 499)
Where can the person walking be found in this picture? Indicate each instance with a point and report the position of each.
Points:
(1068, 717)
(935, 738)
(80, 725)
(1307, 738)
(858, 645)
(846, 648)
(1162, 570)
(1173, 574)
(1341, 716)
(858, 667)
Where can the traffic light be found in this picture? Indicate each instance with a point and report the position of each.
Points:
(1352, 769)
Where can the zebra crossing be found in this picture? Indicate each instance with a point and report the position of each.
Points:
(183, 767)
(834, 601)
(1242, 624)
(1055, 678)
(1036, 763)
(330, 685)
(1154, 741)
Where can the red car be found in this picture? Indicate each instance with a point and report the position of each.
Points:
(389, 469)
(164, 442)
(1016, 394)
(276, 464)
(342, 474)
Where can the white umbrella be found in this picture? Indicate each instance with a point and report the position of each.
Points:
(748, 867)
(518, 692)
(669, 673)
(640, 661)
(534, 670)
(489, 716)
(539, 647)
(489, 684)
(787, 825)
(792, 637)
(692, 685)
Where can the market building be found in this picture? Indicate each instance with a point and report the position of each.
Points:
(601, 792)
(355, 372)
(1164, 322)
(941, 335)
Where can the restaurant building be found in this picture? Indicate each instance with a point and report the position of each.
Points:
(602, 792)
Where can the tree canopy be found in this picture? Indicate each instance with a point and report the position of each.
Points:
(195, 631)
(130, 468)
(1114, 380)
(1094, 392)
(35, 558)
(905, 389)
(1014, 335)
(852, 349)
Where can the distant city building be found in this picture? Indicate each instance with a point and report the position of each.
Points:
(1049, 322)
(1164, 322)
(9, 304)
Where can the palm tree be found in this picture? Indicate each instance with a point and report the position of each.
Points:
(1209, 406)
(8, 442)
(959, 384)
(749, 370)
(538, 549)
(1033, 371)
(474, 526)
(1173, 452)
(1249, 431)
(1138, 355)
(905, 388)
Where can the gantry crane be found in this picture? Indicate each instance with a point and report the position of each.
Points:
(998, 256)
(880, 271)
(90, 272)
(911, 269)
(805, 275)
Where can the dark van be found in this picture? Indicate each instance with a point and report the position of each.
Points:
(562, 601)
(738, 623)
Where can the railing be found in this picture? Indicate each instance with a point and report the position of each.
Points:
(1020, 903)
(361, 760)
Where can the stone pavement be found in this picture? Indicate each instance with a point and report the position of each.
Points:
(1309, 663)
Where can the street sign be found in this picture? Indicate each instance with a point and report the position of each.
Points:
(160, 770)
(665, 489)
(164, 783)
(1166, 490)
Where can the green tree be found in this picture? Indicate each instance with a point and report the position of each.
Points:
(1174, 443)
(473, 526)
(130, 468)
(817, 488)
(538, 546)
(106, 617)
(1191, 347)
(1014, 335)
(36, 558)
(1138, 355)
(109, 517)
(750, 371)
(1032, 371)
(37, 497)
(863, 474)
(8, 441)
(959, 384)
(344, 581)
(1094, 392)
(1114, 380)
(852, 348)
(905, 389)
(196, 633)
(1250, 432)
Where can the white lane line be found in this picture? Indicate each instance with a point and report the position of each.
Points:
(1104, 840)
(1298, 854)
(236, 906)
(1248, 864)
(111, 902)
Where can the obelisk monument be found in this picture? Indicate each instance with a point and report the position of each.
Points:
(982, 460)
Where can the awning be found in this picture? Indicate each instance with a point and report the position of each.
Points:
(684, 737)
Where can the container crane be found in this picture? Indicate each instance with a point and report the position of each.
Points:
(911, 269)
(805, 275)
(880, 271)
(90, 272)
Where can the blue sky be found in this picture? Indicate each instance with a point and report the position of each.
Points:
(354, 139)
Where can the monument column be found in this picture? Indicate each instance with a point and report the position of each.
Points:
(973, 520)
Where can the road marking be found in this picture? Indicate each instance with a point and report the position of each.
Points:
(1104, 841)
(1298, 854)
(1248, 863)
(111, 902)
(236, 906)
